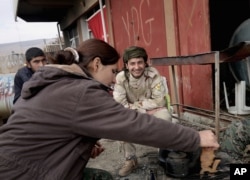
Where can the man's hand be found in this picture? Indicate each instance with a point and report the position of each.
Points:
(208, 139)
(97, 150)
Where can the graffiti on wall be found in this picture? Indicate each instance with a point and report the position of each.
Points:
(140, 23)
(134, 23)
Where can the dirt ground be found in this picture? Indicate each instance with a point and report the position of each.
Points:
(112, 159)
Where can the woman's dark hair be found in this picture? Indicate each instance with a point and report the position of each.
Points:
(93, 48)
(63, 57)
(87, 51)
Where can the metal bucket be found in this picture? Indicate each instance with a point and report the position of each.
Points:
(177, 164)
(180, 164)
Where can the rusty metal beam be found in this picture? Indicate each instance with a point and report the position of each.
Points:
(208, 113)
(232, 54)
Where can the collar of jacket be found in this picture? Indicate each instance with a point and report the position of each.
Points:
(75, 69)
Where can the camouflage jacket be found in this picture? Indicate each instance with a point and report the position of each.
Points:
(145, 93)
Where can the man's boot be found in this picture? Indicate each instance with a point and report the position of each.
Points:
(128, 167)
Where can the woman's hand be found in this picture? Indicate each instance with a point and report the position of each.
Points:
(97, 150)
(208, 139)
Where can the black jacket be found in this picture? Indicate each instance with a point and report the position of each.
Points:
(22, 75)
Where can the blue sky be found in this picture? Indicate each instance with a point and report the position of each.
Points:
(12, 31)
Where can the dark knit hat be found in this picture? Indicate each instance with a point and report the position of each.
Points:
(134, 52)
(32, 53)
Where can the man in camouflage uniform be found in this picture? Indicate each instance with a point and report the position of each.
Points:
(139, 87)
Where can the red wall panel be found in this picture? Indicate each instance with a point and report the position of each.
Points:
(141, 23)
(194, 38)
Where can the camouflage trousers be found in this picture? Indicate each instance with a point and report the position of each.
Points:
(129, 148)
(235, 140)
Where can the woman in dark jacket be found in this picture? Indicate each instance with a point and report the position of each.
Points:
(65, 109)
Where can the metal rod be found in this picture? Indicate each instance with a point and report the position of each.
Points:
(209, 111)
(176, 92)
(207, 115)
(194, 123)
(217, 94)
(103, 21)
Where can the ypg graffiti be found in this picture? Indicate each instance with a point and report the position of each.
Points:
(6, 94)
(134, 24)
(140, 23)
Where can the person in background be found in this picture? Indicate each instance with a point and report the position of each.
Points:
(139, 87)
(35, 58)
(65, 109)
